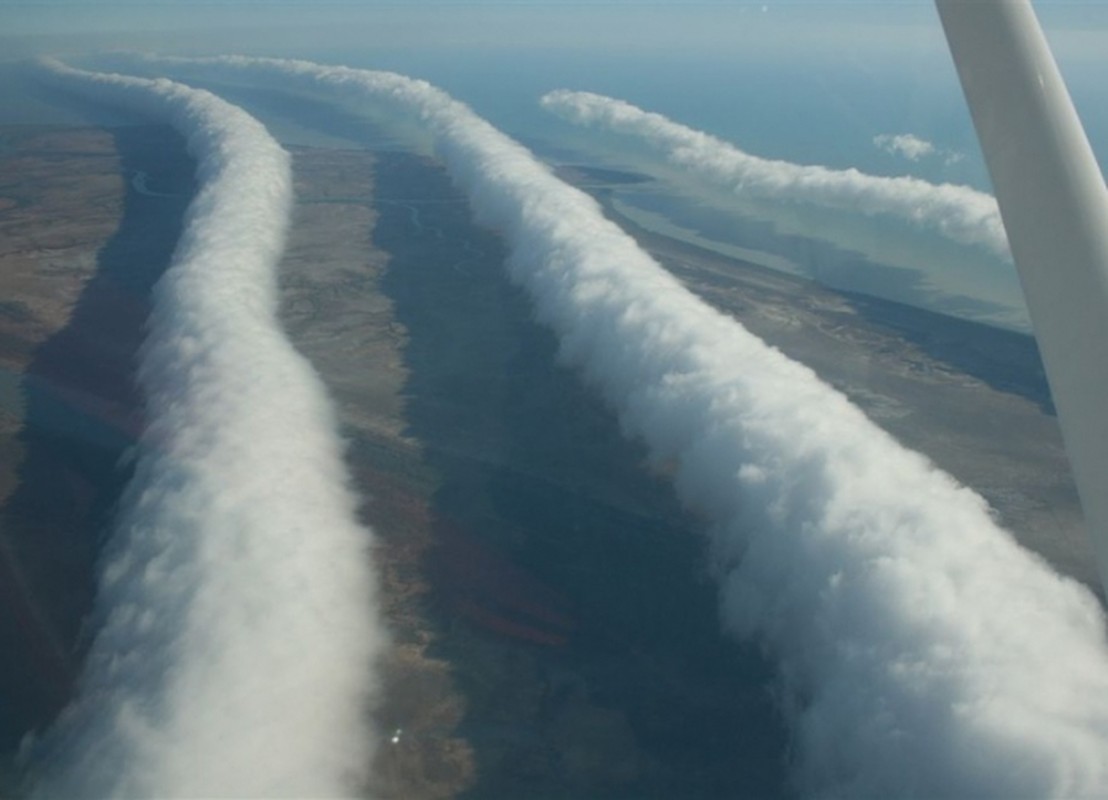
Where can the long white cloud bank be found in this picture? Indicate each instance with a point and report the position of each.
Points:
(236, 636)
(923, 653)
(959, 213)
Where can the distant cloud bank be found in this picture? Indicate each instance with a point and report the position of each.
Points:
(959, 213)
(921, 652)
(235, 630)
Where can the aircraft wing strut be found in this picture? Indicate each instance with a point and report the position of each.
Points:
(1054, 205)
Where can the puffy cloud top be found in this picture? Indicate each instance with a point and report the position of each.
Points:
(235, 632)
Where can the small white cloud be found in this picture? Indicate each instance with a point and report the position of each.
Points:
(913, 148)
(908, 145)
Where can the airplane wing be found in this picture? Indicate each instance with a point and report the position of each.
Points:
(1055, 209)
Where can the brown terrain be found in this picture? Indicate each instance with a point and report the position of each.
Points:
(78, 254)
(537, 578)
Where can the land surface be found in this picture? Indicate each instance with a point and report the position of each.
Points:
(80, 247)
(554, 628)
(555, 631)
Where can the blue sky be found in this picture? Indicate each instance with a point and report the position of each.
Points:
(824, 25)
